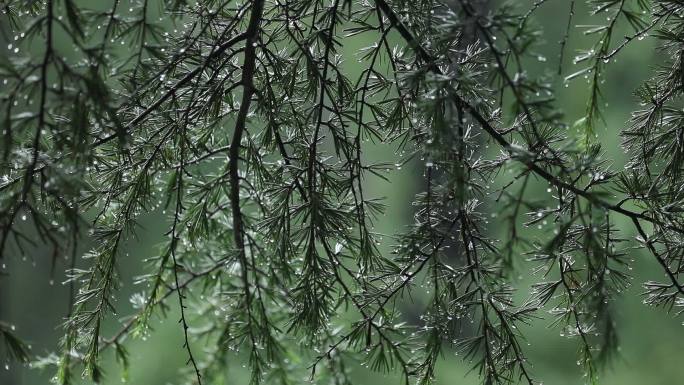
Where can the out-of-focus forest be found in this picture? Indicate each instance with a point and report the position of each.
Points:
(34, 299)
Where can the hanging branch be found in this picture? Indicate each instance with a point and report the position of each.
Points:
(255, 138)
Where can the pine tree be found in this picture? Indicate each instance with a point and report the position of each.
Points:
(246, 125)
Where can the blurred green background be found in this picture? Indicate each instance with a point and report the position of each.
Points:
(651, 340)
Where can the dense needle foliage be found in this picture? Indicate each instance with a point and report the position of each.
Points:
(246, 125)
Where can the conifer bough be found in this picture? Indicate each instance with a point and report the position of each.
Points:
(244, 126)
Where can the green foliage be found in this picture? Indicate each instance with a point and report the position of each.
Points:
(13, 347)
(247, 125)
